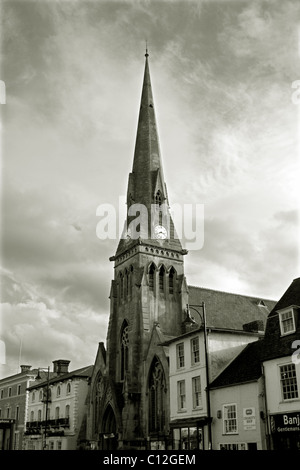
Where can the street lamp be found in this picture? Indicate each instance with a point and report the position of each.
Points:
(203, 318)
(46, 400)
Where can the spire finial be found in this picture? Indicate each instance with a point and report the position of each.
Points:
(146, 55)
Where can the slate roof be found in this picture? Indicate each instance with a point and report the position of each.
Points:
(82, 372)
(246, 367)
(276, 345)
(227, 310)
(290, 297)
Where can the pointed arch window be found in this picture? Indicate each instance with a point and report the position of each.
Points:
(121, 285)
(162, 279)
(171, 280)
(126, 280)
(130, 280)
(158, 198)
(157, 397)
(151, 276)
(124, 349)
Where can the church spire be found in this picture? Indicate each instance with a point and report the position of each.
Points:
(146, 184)
(147, 161)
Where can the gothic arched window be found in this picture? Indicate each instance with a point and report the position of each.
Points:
(157, 396)
(158, 198)
(124, 349)
(126, 279)
(121, 285)
(130, 280)
(171, 280)
(151, 276)
(161, 279)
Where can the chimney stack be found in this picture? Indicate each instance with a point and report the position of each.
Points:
(25, 368)
(60, 366)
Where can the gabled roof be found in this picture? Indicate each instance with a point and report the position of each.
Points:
(246, 367)
(227, 310)
(276, 345)
(289, 298)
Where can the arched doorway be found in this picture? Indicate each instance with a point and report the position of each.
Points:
(109, 436)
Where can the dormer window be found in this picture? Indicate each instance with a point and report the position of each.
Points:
(287, 321)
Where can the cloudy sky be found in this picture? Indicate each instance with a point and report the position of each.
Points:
(222, 76)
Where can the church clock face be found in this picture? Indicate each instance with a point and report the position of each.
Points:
(160, 232)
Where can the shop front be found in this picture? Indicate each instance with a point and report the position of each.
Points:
(188, 434)
(7, 427)
(285, 431)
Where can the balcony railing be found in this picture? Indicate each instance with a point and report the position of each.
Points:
(35, 427)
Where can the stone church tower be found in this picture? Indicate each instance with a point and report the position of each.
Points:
(129, 393)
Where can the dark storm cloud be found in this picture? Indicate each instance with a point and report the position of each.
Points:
(221, 75)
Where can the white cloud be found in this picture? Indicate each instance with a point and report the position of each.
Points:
(222, 90)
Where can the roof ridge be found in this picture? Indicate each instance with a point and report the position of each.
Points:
(232, 293)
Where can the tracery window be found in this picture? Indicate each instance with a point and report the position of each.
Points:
(157, 395)
(124, 349)
(158, 198)
(151, 276)
(171, 280)
(161, 279)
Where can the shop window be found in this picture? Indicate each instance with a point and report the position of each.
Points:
(288, 381)
(188, 438)
(234, 446)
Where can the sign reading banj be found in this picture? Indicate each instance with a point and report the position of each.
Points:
(285, 422)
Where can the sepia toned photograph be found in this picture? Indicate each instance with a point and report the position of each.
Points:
(150, 168)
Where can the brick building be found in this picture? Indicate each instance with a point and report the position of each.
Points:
(13, 407)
